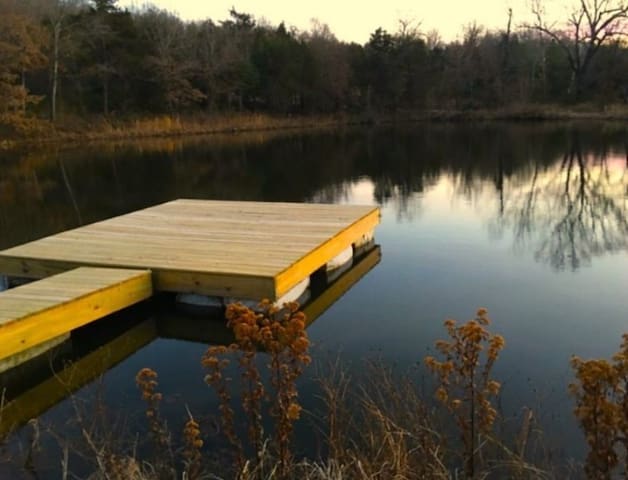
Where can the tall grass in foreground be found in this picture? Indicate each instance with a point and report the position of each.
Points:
(382, 427)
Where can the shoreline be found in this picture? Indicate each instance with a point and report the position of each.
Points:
(74, 130)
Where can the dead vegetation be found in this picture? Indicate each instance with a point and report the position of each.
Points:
(382, 425)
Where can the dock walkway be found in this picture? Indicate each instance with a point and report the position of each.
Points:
(248, 250)
(242, 250)
(30, 395)
(39, 312)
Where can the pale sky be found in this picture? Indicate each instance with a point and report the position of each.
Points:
(352, 20)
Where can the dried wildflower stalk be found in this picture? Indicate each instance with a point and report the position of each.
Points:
(146, 381)
(192, 449)
(601, 393)
(465, 386)
(280, 333)
(214, 362)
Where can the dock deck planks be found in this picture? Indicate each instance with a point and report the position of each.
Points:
(234, 249)
(41, 311)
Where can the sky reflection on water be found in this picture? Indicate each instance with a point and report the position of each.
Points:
(529, 221)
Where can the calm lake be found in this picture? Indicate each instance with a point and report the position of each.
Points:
(527, 220)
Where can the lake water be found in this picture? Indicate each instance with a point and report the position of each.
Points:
(527, 220)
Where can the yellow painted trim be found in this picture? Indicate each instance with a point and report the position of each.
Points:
(26, 355)
(44, 324)
(318, 257)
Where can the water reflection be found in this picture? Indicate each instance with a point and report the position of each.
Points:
(34, 387)
(560, 190)
(571, 211)
(484, 215)
(564, 206)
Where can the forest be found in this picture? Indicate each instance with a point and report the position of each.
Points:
(91, 58)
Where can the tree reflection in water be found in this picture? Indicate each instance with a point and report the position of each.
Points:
(564, 207)
(571, 211)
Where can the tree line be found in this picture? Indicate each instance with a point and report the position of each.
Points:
(87, 57)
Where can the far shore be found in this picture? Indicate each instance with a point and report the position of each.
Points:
(76, 130)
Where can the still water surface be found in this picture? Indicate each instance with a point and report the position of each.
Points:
(529, 221)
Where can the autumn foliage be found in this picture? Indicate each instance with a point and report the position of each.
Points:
(22, 43)
(465, 386)
(601, 394)
(280, 334)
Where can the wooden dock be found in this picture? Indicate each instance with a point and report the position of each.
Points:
(246, 250)
(40, 312)
(39, 397)
(250, 250)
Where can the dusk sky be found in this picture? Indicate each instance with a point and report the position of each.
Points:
(356, 20)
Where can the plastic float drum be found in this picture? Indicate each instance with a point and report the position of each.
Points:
(344, 260)
(203, 303)
(299, 293)
(339, 264)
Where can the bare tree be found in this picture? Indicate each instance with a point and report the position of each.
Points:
(331, 56)
(57, 14)
(169, 61)
(591, 24)
(408, 29)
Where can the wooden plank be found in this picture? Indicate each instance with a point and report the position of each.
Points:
(216, 332)
(80, 297)
(243, 249)
(222, 285)
(26, 355)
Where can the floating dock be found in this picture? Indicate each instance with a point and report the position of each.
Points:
(30, 393)
(250, 250)
(242, 250)
(40, 312)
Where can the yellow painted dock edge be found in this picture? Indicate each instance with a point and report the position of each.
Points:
(318, 257)
(213, 283)
(42, 325)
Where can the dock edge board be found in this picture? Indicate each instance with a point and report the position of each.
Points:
(318, 257)
(45, 319)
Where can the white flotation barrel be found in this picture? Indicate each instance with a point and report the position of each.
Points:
(365, 239)
(204, 303)
(340, 260)
(300, 293)
(339, 264)
(200, 301)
